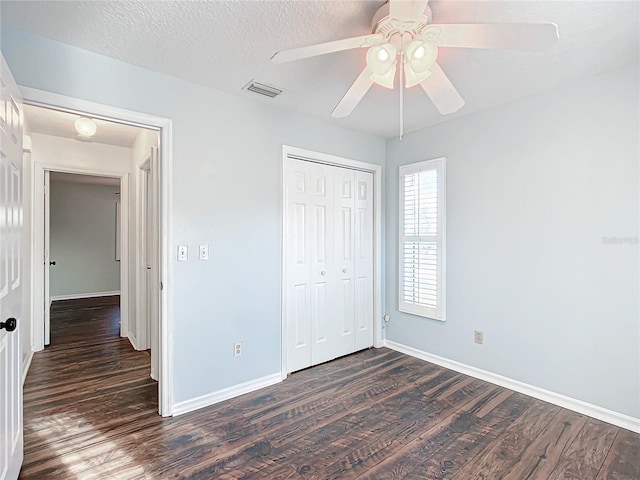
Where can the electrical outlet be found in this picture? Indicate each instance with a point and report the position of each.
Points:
(237, 349)
(478, 337)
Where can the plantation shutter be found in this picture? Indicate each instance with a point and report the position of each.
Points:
(421, 286)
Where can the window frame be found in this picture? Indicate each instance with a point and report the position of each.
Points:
(439, 313)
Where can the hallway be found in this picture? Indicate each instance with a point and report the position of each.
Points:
(84, 394)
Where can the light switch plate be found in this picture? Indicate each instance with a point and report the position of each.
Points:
(204, 252)
(182, 253)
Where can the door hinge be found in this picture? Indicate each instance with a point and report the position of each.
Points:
(161, 286)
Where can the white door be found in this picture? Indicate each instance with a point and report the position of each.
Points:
(328, 262)
(322, 274)
(47, 261)
(363, 260)
(11, 449)
(343, 267)
(298, 266)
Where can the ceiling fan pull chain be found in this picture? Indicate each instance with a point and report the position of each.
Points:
(401, 68)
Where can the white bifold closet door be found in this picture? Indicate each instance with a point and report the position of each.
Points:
(328, 262)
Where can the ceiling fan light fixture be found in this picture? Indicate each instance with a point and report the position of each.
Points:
(421, 55)
(381, 62)
(381, 58)
(86, 127)
(385, 80)
(412, 78)
(419, 52)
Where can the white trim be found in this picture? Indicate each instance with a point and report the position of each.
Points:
(165, 127)
(604, 414)
(134, 342)
(26, 363)
(39, 169)
(140, 267)
(225, 394)
(76, 296)
(327, 159)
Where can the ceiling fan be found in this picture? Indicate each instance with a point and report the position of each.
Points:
(405, 40)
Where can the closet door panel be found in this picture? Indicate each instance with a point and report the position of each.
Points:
(297, 263)
(363, 260)
(322, 259)
(344, 242)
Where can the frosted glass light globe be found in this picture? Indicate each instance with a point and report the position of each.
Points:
(419, 52)
(383, 55)
(86, 127)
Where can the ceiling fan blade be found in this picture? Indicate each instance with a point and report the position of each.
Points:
(324, 48)
(441, 91)
(407, 10)
(353, 96)
(528, 37)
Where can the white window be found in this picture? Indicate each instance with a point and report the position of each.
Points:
(422, 239)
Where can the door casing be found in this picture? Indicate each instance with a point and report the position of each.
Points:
(41, 253)
(327, 159)
(164, 126)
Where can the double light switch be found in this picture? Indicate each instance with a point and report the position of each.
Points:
(183, 253)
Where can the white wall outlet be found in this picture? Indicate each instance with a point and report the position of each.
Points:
(478, 337)
(204, 252)
(183, 253)
(237, 349)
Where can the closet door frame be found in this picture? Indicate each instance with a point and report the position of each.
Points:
(289, 152)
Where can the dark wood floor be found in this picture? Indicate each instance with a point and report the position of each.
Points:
(90, 412)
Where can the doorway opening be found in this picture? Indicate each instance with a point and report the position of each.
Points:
(82, 244)
(140, 241)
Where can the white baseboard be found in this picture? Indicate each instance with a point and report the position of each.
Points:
(609, 416)
(133, 341)
(26, 363)
(224, 394)
(76, 296)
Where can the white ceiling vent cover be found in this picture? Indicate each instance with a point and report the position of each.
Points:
(262, 89)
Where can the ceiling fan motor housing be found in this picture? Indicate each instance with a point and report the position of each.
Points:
(383, 24)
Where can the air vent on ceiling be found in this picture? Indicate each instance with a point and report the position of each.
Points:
(262, 89)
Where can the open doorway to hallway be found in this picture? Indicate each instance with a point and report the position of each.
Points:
(90, 238)
(82, 238)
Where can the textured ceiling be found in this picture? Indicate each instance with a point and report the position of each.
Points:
(62, 124)
(225, 44)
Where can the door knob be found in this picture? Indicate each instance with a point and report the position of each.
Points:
(323, 273)
(9, 325)
(52, 263)
(344, 270)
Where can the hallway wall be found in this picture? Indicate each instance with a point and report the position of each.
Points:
(83, 239)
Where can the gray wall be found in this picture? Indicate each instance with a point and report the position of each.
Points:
(226, 180)
(533, 187)
(82, 239)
